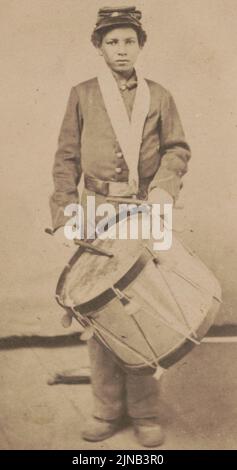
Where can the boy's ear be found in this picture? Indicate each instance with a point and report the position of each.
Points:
(100, 51)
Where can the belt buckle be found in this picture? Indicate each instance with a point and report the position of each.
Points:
(119, 189)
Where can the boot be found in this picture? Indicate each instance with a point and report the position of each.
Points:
(97, 429)
(148, 432)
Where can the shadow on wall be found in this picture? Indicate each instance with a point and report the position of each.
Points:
(73, 339)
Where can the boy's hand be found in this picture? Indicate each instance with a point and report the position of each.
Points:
(160, 196)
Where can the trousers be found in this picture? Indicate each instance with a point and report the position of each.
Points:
(118, 393)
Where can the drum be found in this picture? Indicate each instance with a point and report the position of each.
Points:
(148, 308)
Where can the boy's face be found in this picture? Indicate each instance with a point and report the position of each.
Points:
(120, 49)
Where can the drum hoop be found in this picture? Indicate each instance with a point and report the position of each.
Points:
(106, 296)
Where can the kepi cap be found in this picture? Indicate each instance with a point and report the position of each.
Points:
(117, 16)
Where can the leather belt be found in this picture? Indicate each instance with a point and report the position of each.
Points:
(115, 188)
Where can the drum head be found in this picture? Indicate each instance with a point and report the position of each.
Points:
(92, 274)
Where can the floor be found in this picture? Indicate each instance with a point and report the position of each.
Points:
(198, 400)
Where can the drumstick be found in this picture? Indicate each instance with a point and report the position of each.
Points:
(89, 246)
(130, 200)
(139, 202)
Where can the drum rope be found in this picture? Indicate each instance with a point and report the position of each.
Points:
(100, 328)
(85, 322)
(176, 326)
(192, 253)
(91, 322)
(146, 339)
(176, 301)
(125, 301)
(157, 265)
(194, 284)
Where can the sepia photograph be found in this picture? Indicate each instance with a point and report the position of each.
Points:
(118, 234)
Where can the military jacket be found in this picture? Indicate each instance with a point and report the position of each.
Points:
(88, 145)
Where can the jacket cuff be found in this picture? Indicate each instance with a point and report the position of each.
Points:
(169, 181)
(57, 214)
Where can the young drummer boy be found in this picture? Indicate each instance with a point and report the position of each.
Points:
(149, 161)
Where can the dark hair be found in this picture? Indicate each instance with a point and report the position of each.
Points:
(97, 36)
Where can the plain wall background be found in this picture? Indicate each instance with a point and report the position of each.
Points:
(45, 49)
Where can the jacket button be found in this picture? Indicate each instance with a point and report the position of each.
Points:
(119, 154)
(118, 170)
(123, 86)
